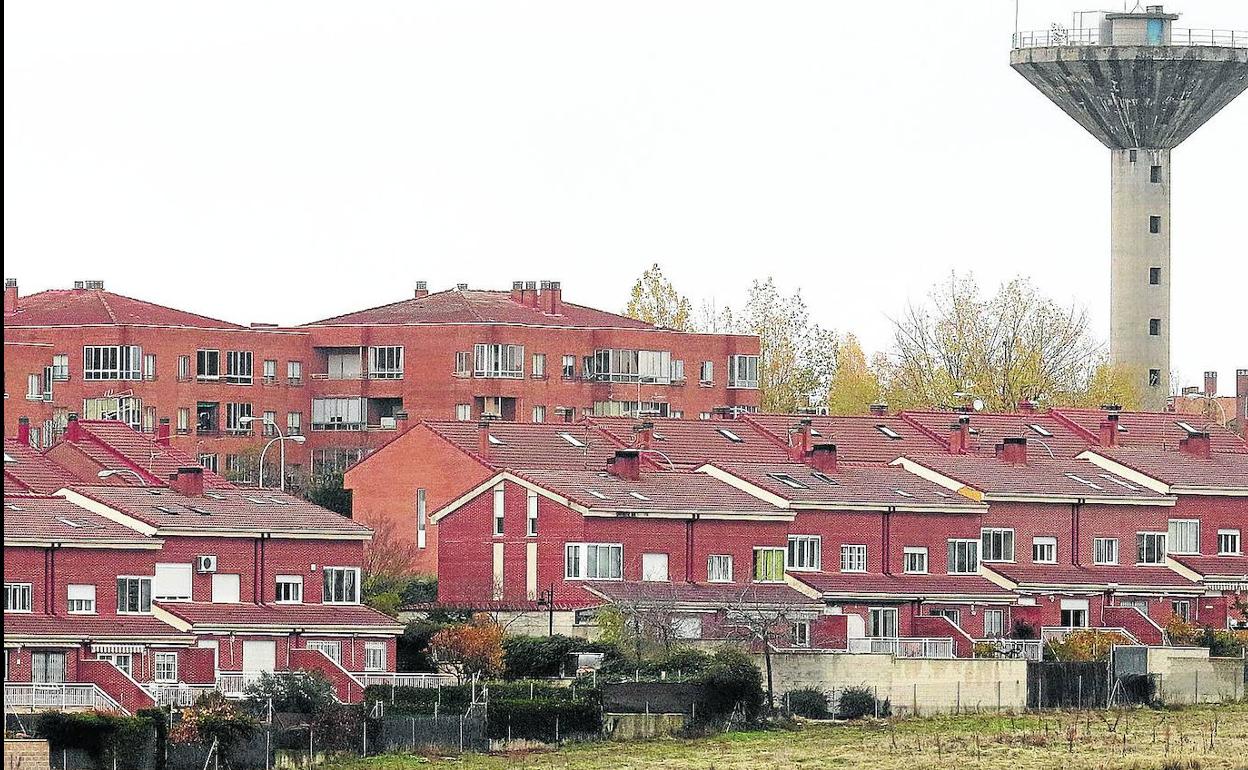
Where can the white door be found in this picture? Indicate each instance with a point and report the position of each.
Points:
(259, 656)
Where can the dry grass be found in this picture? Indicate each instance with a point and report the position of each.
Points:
(1205, 738)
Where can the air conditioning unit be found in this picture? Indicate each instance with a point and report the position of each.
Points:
(205, 564)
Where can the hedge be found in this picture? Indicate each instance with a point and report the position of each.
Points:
(539, 720)
(541, 657)
(455, 699)
(98, 734)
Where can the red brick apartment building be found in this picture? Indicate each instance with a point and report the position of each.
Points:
(346, 383)
(915, 533)
(133, 577)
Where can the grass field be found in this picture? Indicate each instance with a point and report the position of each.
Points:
(1190, 739)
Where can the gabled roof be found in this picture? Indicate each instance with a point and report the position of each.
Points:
(35, 520)
(532, 445)
(691, 443)
(24, 627)
(850, 486)
(28, 470)
(1044, 432)
(199, 616)
(468, 306)
(112, 444)
(658, 492)
(1041, 478)
(1178, 471)
(164, 511)
(1215, 568)
(700, 595)
(96, 307)
(867, 438)
(1152, 430)
(1100, 578)
(848, 586)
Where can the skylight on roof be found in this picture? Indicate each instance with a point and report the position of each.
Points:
(787, 480)
(13, 506)
(1081, 480)
(1043, 431)
(734, 438)
(214, 495)
(258, 500)
(658, 436)
(1120, 482)
(279, 501)
(638, 495)
(1187, 427)
(8, 459)
(888, 432)
(815, 432)
(573, 440)
(903, 493)
(167, 509)
(200, 511)
(825, 478)
(69, 522)
(597, 494)
(496, 440)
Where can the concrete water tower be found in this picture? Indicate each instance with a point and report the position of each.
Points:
(1141, 86)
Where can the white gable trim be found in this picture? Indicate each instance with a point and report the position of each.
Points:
(112, 514)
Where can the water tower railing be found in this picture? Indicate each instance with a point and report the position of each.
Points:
(1059, 37)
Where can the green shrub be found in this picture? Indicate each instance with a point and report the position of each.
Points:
(420, 590)
(809, 702)
(412, 648)
(541, 657)
(733, 686)
(302, 693)
(102, 736)
(539, 719)
(859, 702)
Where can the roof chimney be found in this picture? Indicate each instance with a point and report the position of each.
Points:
(188, 481)
(645, 434)
(1211, 383)
(625, 464)
(461, 287)
(422, 289)
(1109, 431)
(73, 432)
(23, 431)
(960, 436)
(1241, 400)
(1013, 450)
(10, 295)
(822, 457)
(162, 432)
(552, 298)
(528, 296)
(879, 408)
(517, 292)
(483, 437)
(1197, 444)
(800, 439)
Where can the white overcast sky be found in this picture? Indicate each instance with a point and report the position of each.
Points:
(287, 161)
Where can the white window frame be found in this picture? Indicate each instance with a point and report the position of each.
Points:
(463, 412)
(1174, 540)
(60, 367)
(179, 569)
(207, 364)
(994, 540)
(294, 372)
(999, 623)
(234, 414)
(184, 368)
(568, 367)
(123, 593)
(184, 419)
(500, 510)
(385, 362)
(80, 599)
(239, 367)
(294, 587)
(1041, 544)
(1228, 538)
(531, 517)
(112, 362)
(772, 561)
(19, 597)
(341, 413)
(801, 633)
(539, 365)
(803, 553)
(1099, 547)
(1158, 546)
(149, 366)
(539, 413)
(743, 372)
(165, 667)
(345, 571)
(853, 557)
(914, 560)
(498, 361)
(375, 656)
(962, 550)
(294, 423)
(330, 648)
(719, 568)
(422, 517)
(706, 373)
(576, 557)
(879, 620)
(268, 371)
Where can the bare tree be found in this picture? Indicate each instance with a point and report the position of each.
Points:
(651, 615)
(767, 622)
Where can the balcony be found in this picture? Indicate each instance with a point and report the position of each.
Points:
(1013, 649)
(405, 680)
(904, 647)
(61, 696)
(178, 695)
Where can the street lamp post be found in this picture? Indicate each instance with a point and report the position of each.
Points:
(281, 440)
(114, 471)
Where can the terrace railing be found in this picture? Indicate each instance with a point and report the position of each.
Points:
(905, 647)
(1057, 633)
(64, 695)
(406, 680)
(1060, 37)
(1018, 649)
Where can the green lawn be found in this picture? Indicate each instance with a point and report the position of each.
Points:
(1192, 739)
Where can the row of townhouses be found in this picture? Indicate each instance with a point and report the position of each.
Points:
(133, 576)
(345, 384)
(915, 533)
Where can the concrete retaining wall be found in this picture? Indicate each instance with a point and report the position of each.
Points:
(1188, 675)
(628, 727)
(25, 754)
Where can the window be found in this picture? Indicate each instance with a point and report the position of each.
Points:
(499, 508)
(374, 656)
(914, 561)
(330, 649)
(111, 362)
(463, 412)
(17, 597)
(122, 661)
(463, 363)
(594, 561)
(719, 568)
(801, 633)
(706, 374)
(569, 368)
(539, 365)
(882, 622)
(1074, 613)
(787, 480)
(1044, 550)
(1154, 174)
(531, 519)
(618, 365)
(34, 387)
(994, 624)
(1150, 547)
(1154, 378)
(208, 460)
(734, 438)
(60, 367)
(953, 616)
(337, 414)
(1133, 154)
(769, 565)
(498, 361)
(743, 372)
(289, 589)
(294, 372)
(385, 362)
(1228, 542)
(269, 371)
(654, 567)
(184, 420)
(678, 371)
(294, 423)
(342, 585)
(172, 581)
(963, 557)
(208, 364)
(184, 368)
(149, 366)
(1182, 609)
(1105, 550)
(539, 413)
(166, 668)
(1184, 536)
(238, 369)
(998, 544)
(268, 424)
(81, 599)
(1154, 276)
(234, 414)
(1154, 225)
(149, 419)
(1154, 326)
(853, 558)
(134, 595)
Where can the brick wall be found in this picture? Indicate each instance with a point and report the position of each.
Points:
(25, 754)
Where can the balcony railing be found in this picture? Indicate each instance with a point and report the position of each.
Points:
(166, 694)
(406, 680)
(904, 647)
(1017, 649)
(1057, 633)
(1059, 37)
(65, 695)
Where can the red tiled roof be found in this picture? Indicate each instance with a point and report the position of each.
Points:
(660, 491)
(114, 444)
(986, 430)
(1039, 477)
(96, 628)
(467, 306)
(904, 587)
(718, 595)
(309, 616)
(222, 509)
(1235, 567)
(533, 445)
(1222, 470)
(1155, 430)
(26, 469)
(851, 484)
(857, 438)
(1100, 576)
(56, 519)
(692, 443)
(96, 307)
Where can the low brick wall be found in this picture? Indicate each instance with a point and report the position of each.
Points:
(25, 754)
(629, 727)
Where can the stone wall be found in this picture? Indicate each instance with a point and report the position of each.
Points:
(25, 754)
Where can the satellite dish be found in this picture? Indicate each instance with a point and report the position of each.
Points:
(978, 405)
